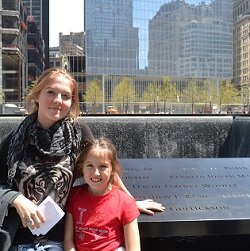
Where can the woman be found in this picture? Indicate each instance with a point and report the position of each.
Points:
(37, 159)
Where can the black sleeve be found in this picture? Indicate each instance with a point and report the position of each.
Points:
(87, 134)
(7, 195)
(4, 147)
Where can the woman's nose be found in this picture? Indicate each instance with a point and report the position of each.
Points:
(58, 98)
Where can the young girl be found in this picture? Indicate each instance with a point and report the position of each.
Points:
(99, 216)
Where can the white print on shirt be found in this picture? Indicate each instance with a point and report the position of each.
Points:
(98, 232)
(80, 236)
(81, 231)
(81, 210)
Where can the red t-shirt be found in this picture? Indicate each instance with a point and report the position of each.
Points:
(99, 220)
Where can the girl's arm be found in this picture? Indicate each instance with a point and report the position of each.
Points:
(68, 241)
(132, 236)
(144, 206)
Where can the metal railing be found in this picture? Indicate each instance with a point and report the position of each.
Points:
(140, 108)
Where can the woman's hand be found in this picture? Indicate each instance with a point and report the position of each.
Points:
(29, 213)
(149, 206)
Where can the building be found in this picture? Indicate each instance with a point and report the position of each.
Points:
(54, 51)
(13, 51)
(36, 61)
(112, 41)
(34, 8)
(241, 53)
(175, 38)
(55, 60)
(74, 38)
(71, 49)
(76, 66)
(40, 10)
(70, 55)
(22, 48)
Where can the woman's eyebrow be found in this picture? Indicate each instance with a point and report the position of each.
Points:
(64, 92)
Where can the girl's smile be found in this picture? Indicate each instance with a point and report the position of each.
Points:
(97, 171)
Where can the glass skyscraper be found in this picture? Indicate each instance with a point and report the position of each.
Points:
(175, 38)
(112, 39)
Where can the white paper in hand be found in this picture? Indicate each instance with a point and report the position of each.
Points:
(52, 212)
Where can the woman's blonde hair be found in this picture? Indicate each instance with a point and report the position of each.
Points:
(47, 76)
(106, 145)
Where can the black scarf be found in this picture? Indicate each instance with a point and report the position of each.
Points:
(63, 138)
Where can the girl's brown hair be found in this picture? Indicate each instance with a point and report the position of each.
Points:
(47, 76)
(107, 146)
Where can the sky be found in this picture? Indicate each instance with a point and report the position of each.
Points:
(64, 17)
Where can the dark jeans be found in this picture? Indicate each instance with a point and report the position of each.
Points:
(45, 246)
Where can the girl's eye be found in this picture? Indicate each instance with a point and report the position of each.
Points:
(103, 167)
(89, 166)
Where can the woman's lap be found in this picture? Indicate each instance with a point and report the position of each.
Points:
(46, 246)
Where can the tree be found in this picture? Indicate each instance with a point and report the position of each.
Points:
(191, 94)
(168, 92)
(151, 95)
(2, 97)
(124, 93)
(229, 94)
(94, 94)
(209, 94)
(29, 87)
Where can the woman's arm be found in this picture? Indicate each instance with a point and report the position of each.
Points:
(28, 211)
(144, 206)
(86, 132)
(4, 148)
(8, 197)
(149, 206)
(118, 182)
(132, 236)
(69, 233)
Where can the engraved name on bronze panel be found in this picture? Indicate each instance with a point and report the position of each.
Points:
(192, 189)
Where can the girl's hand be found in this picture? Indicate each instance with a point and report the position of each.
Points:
(149, 206)
(29, 213)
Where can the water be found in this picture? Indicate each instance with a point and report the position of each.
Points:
(163, 137)
(238, 144)
(154, 137)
